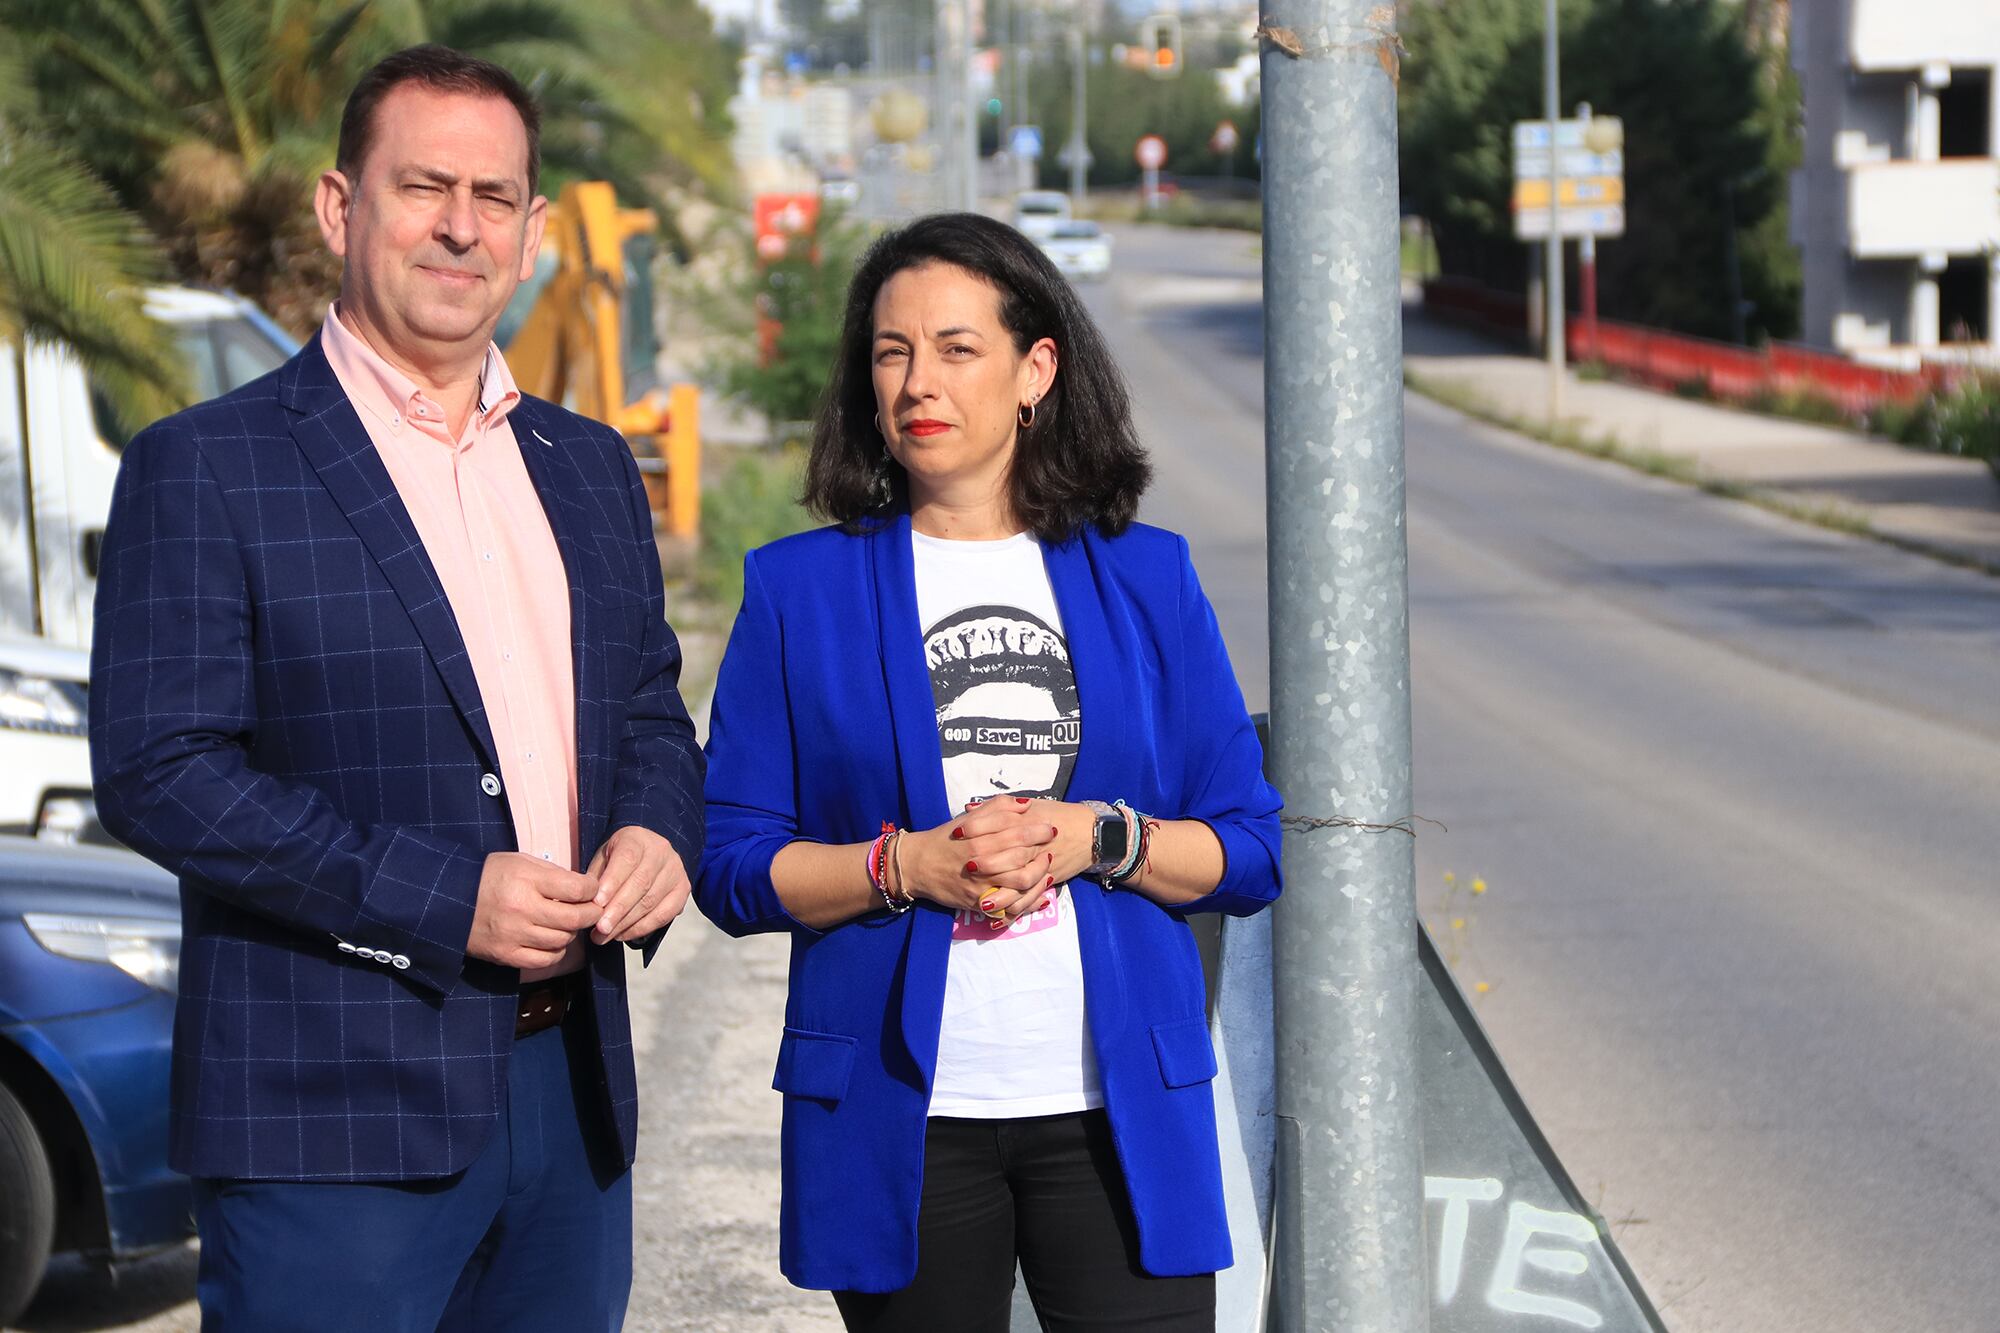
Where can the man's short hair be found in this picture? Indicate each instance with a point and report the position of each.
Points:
(443, 70)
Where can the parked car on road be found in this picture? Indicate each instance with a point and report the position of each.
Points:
(1079, 249)
(1037, 213)
(90, 943)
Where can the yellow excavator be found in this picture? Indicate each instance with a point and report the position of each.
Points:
(580, 333)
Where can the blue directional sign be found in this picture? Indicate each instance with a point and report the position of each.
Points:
(1026, 141)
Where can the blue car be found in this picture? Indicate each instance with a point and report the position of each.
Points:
(90, 943)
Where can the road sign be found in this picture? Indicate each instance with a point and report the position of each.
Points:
(1577, 191)
(1025, 141)
(1151, 152)
(1589, 171)
(1225, 138)
(1070, 151)
(779, 217)
(1532, 224)
(1533, 163)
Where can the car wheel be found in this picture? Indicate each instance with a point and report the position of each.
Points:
(27, 1208)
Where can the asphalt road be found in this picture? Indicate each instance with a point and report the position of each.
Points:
(1731, 781)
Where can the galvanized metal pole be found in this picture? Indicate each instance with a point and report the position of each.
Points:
(1078, 143)
(1348, 1247)
(1552, 108)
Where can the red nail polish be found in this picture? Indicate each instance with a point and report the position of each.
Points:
(972, 867)
(1049, 882)
(1020, 800)
(957, 834)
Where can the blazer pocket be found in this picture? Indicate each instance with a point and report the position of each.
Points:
(1186, 1055)
(814, 1064)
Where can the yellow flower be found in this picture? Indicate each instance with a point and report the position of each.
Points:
(1479, 886)
(1481, 988)
(1450, 878)
(1458, 923)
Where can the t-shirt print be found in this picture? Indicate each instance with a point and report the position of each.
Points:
(1008, 720)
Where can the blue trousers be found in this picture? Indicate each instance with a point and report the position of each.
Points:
(535, 1235)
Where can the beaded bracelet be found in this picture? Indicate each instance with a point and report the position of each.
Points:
(1138, 837)
(881, 859)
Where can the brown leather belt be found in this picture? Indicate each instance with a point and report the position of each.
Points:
(544, 1006)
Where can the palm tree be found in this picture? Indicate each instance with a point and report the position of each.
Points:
(74, 266)
(212, 119)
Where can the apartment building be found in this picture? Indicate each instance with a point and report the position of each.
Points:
(1896, 210)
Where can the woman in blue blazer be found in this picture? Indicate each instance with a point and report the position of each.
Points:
(979, 750)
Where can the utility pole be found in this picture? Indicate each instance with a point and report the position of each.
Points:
(1586, 258)
(1553, 279)
(1079, 145)
(1348, 1239)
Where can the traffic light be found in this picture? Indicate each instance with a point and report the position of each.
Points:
(1160, 43)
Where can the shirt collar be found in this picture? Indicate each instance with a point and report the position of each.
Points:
(394, 399)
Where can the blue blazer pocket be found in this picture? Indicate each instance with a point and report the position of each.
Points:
(814, 1064)
(1186, 1054)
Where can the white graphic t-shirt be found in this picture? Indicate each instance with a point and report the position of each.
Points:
(1013, 1041)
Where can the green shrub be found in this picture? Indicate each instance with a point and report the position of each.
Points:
(1966, 418)
(754, 501)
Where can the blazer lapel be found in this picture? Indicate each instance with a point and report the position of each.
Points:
(550, 467)
(913, 718)
(330, 433)
(1094, 655)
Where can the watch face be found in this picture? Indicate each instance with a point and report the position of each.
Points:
(1111, 841)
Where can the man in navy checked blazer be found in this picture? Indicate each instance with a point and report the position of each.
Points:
(403, 1074)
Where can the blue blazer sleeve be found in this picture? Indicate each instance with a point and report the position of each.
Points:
(753, 773)
(1223, 767)
(660, 767)
(172, 716)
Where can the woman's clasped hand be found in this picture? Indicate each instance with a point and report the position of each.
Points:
(1002, 857)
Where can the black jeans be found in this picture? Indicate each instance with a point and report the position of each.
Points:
(1049, 1191)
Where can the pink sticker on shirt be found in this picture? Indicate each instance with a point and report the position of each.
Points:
(972, 925)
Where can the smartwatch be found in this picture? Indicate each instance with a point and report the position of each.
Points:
(1110, 839)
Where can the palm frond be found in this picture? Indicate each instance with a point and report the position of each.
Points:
(73, 269)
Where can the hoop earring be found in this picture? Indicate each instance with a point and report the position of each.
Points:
(1025, 415)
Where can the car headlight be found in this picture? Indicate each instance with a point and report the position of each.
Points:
(148, 951)
(37, 703)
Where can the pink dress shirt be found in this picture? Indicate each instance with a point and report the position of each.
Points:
(483, 526)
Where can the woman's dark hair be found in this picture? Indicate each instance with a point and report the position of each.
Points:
(440, 69)
(1079, 464)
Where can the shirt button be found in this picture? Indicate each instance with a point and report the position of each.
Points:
(489, 784)
(531, 756)
(506, 654)
(489, 555)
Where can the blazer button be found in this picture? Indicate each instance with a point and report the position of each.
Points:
(400, 963)
(489, 784)
(381, 955)
(345, 947)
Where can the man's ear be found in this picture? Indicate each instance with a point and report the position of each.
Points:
(332, 198)
(531, 249)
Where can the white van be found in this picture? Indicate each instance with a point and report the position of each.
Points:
(54, 496)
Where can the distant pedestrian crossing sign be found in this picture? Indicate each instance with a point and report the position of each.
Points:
(1026, 142)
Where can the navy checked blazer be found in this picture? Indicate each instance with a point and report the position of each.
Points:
(283, 714)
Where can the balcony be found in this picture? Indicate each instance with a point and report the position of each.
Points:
(1909, 34)
(1911, 210)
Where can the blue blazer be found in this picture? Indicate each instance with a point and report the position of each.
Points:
(283, 714)
(824, 726)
